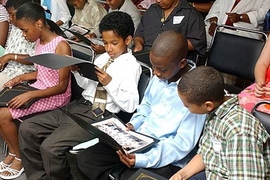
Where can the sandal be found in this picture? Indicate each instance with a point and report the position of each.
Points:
(13, 173)
(4, 166)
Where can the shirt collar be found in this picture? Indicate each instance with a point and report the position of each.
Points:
(225, 108)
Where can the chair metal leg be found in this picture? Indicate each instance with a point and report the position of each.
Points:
(5, 148)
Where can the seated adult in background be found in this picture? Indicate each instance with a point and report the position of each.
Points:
(45, 139)
(239, 13)
(234, 144)
(4, 25)
(59, 12)
(17, 48)
(126, 6)
(175, 15)
(88, 14)
(203, 6)
(161, 115)
(260, 90)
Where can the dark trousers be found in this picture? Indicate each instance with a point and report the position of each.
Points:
(97, 162)
(45, 138)
(198, 176)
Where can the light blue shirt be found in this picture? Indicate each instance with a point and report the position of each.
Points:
(162, 115)
(47, 5)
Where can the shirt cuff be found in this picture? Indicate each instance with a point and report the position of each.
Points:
(140, 161)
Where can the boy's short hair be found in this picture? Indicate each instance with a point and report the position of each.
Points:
(31, 12)
(202, 84)
(119, 22)
(15, 3)
(171, 43)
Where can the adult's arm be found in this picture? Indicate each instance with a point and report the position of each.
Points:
(4, 28)
(195, 33)
(262, 64)
(256, 17)
(64, 12)
(202, 7)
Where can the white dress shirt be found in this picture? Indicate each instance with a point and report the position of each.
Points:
(122, 90)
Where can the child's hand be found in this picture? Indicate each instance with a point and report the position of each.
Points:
(266, 91)
(73, 68)
(130, 127)
(102, 76)
(75, 39)
(259, 90)
(3, 61)
(20, 100)
(98, 48)
(127, 159)
(13, 82)
(177, 176)
(93, 35)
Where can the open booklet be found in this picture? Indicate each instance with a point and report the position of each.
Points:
(143, 174)
(113, 132)
(8, 93)
(55, 61)
(74, 30)
(88, 41)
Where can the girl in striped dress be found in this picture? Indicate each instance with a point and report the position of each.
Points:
(54, 85)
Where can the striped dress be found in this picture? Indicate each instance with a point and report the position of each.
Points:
(45, 78)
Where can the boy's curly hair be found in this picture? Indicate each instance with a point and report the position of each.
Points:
(119, 22)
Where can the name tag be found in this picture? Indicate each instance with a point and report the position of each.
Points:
(216, 145)
(177, 19)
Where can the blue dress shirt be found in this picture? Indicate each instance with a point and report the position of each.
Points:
(162, 115)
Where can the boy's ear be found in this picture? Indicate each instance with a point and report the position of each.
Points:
(209, 106)
(128, 40)
(182, 63)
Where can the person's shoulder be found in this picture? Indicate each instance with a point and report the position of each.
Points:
(237, 119)
(153, 7)
(92, 3)
(129, 6)
(129, 58)
(129, 3)
(3, 13)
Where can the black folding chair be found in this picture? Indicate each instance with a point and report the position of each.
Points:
(235, 55)
(262, 116)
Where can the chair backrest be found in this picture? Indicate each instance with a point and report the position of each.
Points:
(145, 77)
(263, 117)
(233, 54)
(143, 56)
(142, 85)
(82, 51)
